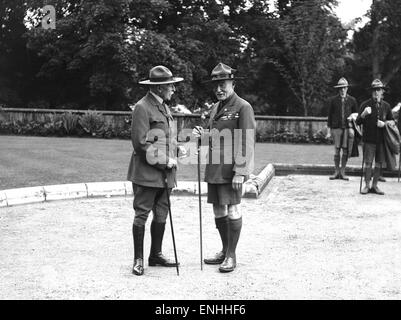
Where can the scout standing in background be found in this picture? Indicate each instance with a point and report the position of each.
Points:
(373, 115)
(340, 108)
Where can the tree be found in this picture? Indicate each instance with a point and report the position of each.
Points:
(86, 59)
(311, 49)
(14, 65)
(377, 46)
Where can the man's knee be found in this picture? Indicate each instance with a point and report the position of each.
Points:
(234, 211)
(219, 211)
(140, 219)
(368, 165)
(160, 216)
(337, 152)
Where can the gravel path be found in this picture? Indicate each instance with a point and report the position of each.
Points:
(297, 242)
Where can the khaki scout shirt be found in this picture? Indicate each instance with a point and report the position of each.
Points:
(231, 140)
(154, 142)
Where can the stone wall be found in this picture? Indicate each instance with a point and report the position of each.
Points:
(267, 126)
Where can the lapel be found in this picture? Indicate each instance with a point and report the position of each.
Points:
(339, 100)
(228, 105)
(153, 101)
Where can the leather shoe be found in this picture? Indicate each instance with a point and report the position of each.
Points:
(365, 190)
(216, 259)
(138, 267)
(376, 190)
(228, 265)
(381, 179)
(161, 260)
(344, 177)
(335, 176)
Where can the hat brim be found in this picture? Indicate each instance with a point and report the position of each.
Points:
(342, 86)
(150, 82)
(225, 78)
(373, 88)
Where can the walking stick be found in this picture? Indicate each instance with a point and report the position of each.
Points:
(200, 205)
(171, 221)
(399, 167)
(363, 162)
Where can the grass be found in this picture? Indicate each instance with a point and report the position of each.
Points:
(27, 161)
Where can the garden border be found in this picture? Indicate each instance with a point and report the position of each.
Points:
(253, 187)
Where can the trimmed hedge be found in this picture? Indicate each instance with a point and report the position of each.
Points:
(89, 124)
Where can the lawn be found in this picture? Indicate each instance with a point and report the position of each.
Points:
(27, 161)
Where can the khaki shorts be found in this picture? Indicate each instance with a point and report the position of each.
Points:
(342, 138)
(372, 151)
(223, 194)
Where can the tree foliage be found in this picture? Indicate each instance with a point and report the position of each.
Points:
(377, 46)
(291, 52)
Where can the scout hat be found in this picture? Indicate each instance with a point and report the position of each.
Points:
(160, 75)
(342, 83)
(377, 84)
(223, 72)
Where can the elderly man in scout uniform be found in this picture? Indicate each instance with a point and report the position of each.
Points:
(229, 162)
(153, 159)
(373, 115)
(341, 107)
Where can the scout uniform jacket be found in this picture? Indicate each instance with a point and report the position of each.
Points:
(371, 132)
(231, 151)
(334, 116)
(154, 142)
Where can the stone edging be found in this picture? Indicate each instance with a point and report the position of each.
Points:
(321, 169)
(11, 197)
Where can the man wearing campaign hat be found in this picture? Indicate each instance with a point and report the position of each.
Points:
(373, 115)
(153, 159)
(229, 162)
(340, 109)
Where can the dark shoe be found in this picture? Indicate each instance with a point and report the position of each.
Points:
(365, 190)
(381, 179)
(138, 267)
(376, 190)
(161, 260)
(335, 176)
(228, 265)
(216, 259)
(344, 177)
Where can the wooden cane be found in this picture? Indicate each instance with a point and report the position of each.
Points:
(363, 162)
(200, 204)
(171, 221)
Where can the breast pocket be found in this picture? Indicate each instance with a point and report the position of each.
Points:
(158, 123)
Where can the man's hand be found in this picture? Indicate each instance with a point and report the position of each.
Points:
(198, 132)
(237, 182)
(328, 135)
(181, 152)
(368, 110)
(171, 163)
(397, 107)
(380, 123)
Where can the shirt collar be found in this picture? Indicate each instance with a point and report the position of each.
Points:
(160, 100)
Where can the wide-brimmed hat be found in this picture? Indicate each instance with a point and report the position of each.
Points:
(160, 75)
(377, 84)
(342, 83)
(223, 72)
